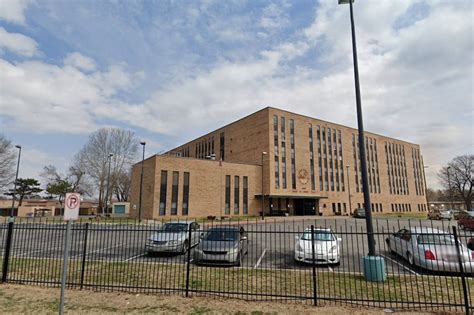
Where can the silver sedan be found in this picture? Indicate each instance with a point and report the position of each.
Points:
(431, 249)
(174, 237)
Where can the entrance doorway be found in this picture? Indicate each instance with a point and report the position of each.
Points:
(306, 206)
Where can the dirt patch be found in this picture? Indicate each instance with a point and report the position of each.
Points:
(21, 299)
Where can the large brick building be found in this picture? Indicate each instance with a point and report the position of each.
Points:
(309, 167)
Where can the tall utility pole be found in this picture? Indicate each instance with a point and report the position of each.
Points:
(360, 124)
(349, 189)
(12, 210)
(109, 157)
(143, 143)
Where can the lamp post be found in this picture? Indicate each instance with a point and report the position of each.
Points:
(108, 182)
(349, 189)
(449, 187)
(14, 184)
(360, 124)
(143, 143)
(263, 196)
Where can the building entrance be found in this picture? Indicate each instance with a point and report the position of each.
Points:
(306, 206)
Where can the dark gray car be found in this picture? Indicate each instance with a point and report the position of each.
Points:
(222, 245)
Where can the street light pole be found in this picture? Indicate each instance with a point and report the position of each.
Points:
(263, 196)
(16, 179)
(426, 188)
(108, 182)
(143, 143)
(360, 124)
(449, 187)
(349, 189)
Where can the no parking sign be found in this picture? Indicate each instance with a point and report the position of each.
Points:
(71, 206)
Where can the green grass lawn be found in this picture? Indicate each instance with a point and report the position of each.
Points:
(241, 282)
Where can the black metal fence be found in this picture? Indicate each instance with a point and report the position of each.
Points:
(271, 260)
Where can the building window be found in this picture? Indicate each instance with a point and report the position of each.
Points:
(275, 144)
(311, 156)
(283, 152)
(245, 195)
(227, 194)
(174, 194)
(163, 188)
(236, 195)
(222, 146)
(186, 193)
(293, 154)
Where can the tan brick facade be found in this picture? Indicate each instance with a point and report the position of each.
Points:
(395, 169)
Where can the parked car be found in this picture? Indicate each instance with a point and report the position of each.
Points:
(326, 246)
(359, 213)
(431, 249)
(457, 213)
(440, 214)
(466, 220)
(470, 244)
(174, 237)
(222, 245)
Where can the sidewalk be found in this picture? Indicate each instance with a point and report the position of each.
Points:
(22, 299)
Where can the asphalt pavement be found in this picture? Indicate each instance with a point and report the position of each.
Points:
(271, 242)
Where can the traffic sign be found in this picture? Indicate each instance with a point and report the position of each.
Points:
(71, 206)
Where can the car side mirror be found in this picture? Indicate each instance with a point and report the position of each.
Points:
(201, 235)
(339, 239)
(243, 238)
(297, 238)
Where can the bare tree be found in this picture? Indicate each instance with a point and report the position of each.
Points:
(458, 176)
(93, 158)
(122, 185)
(58, 184)
(7, 162)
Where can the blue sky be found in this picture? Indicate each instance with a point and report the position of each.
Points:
(172, 70)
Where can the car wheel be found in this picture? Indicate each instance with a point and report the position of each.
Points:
(337, 264)
(410, 259)
(389, 248)
(185, 247)
(239, 261)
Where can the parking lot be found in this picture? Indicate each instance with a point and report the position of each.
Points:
(271, 243)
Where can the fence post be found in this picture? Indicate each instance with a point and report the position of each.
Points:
(188, 260)
(84, 253)
(461, 269)
(6, 256)
(315, 296)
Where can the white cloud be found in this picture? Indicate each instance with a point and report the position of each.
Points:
(274, 17)
(18, 43)
(42, 98)
(13, 11)
(80, 62)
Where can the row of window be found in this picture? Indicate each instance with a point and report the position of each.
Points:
(339, 208)
(174, 193)
(402, 207)
(245, 194)
(203, 149)
(396, 169)
(277, 129)
(376, 207)
(422, 207)
(418, 170)
(372, 164)
(330, 160)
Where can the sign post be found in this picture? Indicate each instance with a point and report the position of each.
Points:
(71, 213)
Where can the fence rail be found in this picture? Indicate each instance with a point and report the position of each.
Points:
(253, 260)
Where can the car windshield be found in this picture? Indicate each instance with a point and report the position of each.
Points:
(175, 227)
(222, 235)
(318, 236)
(435, 239)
